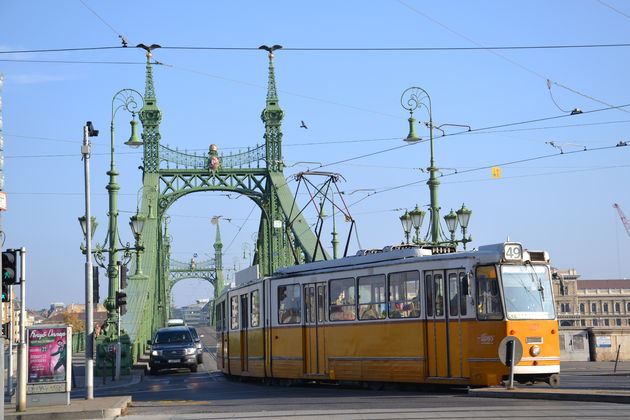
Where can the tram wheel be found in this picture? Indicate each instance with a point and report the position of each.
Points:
(554, 380)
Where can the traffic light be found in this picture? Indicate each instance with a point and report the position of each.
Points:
(5, 330)
(6, 296)
(121, 301)
(9, 272)
(95, 286)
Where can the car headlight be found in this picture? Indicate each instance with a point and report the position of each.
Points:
(192, 350)
(156, 353)
(534, 350)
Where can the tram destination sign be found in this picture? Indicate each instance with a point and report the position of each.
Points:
(513, 252)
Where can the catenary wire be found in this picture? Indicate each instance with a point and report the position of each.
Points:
(503, 57)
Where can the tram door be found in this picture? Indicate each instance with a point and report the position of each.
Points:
(437, 328)
(445, 304)
(315, 315)
(456, 289)
(244, 328)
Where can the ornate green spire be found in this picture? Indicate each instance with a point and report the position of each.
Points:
(218, 263)
(218, 250)
(272, 116)
(150, 116)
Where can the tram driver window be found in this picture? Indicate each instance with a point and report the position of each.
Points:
(289, 304)
(488, 299)
(404, 299)
(342, 302)
(372, 297)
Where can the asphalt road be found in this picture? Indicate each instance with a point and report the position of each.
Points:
(179, 394)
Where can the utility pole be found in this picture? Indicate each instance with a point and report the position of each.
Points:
(1, 244)
(88, 131)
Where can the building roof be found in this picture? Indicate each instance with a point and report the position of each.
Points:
(603, 284)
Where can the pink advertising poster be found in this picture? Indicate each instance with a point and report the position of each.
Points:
(47, 354)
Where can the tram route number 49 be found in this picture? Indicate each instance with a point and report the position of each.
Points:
(510, 346)
(513, 252)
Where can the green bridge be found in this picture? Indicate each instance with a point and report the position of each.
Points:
(284, 237)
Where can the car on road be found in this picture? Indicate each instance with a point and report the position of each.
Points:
(197, 339)
(173, 347)
(176, 322)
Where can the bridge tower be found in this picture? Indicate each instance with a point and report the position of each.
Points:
(284, 237)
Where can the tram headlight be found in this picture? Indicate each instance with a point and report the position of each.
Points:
(534, 350)
(156, 353)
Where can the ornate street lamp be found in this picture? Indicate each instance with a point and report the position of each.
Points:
(417, 217)
(134, 141)
(136, 222)
(412, 99)
(131, 101)
(405, 219)
(93, 225)
(451, 224)
(463, 216)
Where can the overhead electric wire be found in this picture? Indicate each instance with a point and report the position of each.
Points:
(59, 50)
(503, 57)
(299, 95)
(472, 130)
(103, 20)
(71, 61)
(613, 9)
(358, 49)
(479, 168)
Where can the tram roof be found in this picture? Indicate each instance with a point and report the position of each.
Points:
(374, 257)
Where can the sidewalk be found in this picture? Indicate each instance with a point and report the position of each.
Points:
(601, 369)
(593, 395)
(80, 408)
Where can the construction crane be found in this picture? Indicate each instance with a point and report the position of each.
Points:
(624, 220)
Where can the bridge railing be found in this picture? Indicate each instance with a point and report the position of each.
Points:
(174, 159)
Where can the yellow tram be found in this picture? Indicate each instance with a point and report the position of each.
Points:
(400, 314)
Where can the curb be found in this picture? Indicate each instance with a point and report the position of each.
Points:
(107, 410)
(620, 397)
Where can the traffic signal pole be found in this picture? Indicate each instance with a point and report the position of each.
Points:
(88, 131)
(22, 373)
(1, 348)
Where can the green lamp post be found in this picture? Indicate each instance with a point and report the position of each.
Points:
(129, 100)
(412, 99)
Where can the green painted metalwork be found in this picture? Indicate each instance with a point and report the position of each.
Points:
(414, 98)
(284, 237)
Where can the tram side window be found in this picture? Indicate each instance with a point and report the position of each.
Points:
(404, 296)
(255, 308)
(453, 294)
(438, 290)
(372, 297)
(488, 299)
(463, 291)
(289, 304)
(342, 301)
(218, 316)
(234, 312)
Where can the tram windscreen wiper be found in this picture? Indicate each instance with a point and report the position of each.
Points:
(535, 276)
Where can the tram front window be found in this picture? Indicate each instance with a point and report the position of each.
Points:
(528, 292)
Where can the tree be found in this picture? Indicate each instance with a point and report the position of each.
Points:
(72, 318)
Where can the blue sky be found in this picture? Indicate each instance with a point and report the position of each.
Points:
(350, 101)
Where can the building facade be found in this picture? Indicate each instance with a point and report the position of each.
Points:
(594, 317)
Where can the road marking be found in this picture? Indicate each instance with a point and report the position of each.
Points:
(182, 402)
